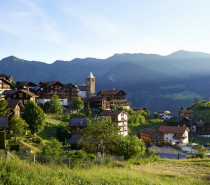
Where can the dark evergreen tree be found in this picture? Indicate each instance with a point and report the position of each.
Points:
(88, 111)
(4, 111)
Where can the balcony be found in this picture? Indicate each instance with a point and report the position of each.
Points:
(177, 137)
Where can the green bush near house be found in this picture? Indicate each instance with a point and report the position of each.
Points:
(2, 139)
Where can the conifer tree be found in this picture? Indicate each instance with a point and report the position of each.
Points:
(4, 111)
(88, 111)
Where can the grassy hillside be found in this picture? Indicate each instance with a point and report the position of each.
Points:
(201, 110)
(162, 172)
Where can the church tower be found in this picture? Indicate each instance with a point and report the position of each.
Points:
(90, 85)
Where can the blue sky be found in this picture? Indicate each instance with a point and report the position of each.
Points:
(49, 30)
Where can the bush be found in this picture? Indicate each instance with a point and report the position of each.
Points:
(37, 139)
(15, 147)
(2, 139)
(197, 155)
(66, 147)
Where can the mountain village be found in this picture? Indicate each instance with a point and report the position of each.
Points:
(170, 140)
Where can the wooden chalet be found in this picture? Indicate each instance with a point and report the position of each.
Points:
(65, 92)
(112, 94)
(71, 91)
(26, 85)
(117, 97)
(187, 113)
(5, 84)
(6, 77)
(95, 102)
(179, 121)
(16, 106)
(49, 88)
(152, 137)
(22, 95)
(119, 117)
(201, 128)
(77, 124)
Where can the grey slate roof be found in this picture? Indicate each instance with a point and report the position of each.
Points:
(78, 122)
(3, 121)
(177, 119)
(9, 92)
(13, 103)
(75, 139)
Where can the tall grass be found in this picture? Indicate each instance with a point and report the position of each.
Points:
(19, 172)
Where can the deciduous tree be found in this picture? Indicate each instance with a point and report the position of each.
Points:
(34, 116)
(78, 104)
(99, 136)
(17, 125)
(56, 107)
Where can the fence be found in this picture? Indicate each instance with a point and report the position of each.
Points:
(62, 160)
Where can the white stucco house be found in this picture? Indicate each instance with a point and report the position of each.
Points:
(175, 134)
(165, 114)
(120, 117)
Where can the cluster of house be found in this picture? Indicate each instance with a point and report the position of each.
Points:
(172, 134)
(77, 124)
(18, 95)
(185, 118)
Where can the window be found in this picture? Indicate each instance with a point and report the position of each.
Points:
(20, 95)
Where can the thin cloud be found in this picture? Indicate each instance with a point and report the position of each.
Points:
(30, 21)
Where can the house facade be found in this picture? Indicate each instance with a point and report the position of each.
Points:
(76, 125)
(187, 113)
(120, 117)
(5, 85)
(165, 114)
(152, 136)
(179, 121)
(95, 102)
(22, 96)
(48, 89)
(117, 97)
(16, 106)
(201, 128)
(26, 85)
(175, 134)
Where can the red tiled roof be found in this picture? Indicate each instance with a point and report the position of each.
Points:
(148, 131)
(111, 112)
(173, 130)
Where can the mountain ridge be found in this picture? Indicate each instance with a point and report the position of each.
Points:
(150, 80)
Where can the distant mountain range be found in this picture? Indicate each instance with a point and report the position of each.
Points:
(152, 81)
